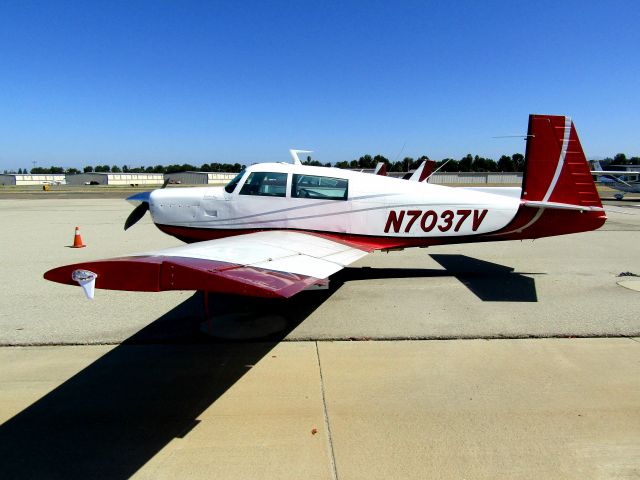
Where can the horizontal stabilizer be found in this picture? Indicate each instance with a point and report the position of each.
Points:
(614, 172)
(562, 206)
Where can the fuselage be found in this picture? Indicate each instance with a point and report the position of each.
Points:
(329, 201)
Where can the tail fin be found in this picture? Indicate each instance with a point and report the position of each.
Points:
(381, 169)
(424, 171)
(556, 169)
(558, 192)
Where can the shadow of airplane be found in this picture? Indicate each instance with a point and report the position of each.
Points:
(116, 414)
(490, 282)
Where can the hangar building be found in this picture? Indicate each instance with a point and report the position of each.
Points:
(99, 178)
(31, 179)
(199, 178)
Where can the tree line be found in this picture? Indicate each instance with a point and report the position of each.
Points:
(468, 163)
(185, 167)
(620, 159)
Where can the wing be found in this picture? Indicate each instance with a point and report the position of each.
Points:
(262, 264)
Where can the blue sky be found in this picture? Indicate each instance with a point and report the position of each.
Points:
(149, 82)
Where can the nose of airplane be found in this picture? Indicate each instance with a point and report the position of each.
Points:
(175, 205)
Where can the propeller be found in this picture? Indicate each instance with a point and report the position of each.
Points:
(138, 212)
(135, 216)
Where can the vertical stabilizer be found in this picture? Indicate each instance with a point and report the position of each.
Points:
(556, 169)
(558, 192)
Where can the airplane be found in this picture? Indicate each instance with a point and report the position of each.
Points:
(279, 228)
(620, 184)
(421, 174)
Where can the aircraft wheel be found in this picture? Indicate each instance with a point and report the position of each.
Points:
(618, 196)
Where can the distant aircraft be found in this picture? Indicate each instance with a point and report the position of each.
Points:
(381, 169)
(278, 228)
(420, 174)
(423, 172)
(611, 178)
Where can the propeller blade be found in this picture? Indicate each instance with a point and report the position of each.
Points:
(135, 216)
(166, 182)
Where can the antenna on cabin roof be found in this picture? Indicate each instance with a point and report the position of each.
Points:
(294, 155)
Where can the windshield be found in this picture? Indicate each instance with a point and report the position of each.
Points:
(230, 187)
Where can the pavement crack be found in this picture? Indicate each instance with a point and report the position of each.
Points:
(332, 456)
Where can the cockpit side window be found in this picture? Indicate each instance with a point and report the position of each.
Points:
(321, 188)
(231, 186)
(270, 184)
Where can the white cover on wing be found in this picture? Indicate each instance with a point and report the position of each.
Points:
(280, 250)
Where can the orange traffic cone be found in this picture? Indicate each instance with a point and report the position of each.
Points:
(77, 240)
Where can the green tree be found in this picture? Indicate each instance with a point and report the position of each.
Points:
(448, 165)
(72, 171)
(505, 164)
(365, 161)
(518, 161)
(116, 169)
(465, 163)
(88, 169)
(481, 164)
(407, 164)
(397, 167)
(620, 159)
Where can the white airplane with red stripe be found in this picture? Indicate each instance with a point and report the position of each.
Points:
(278, 228)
